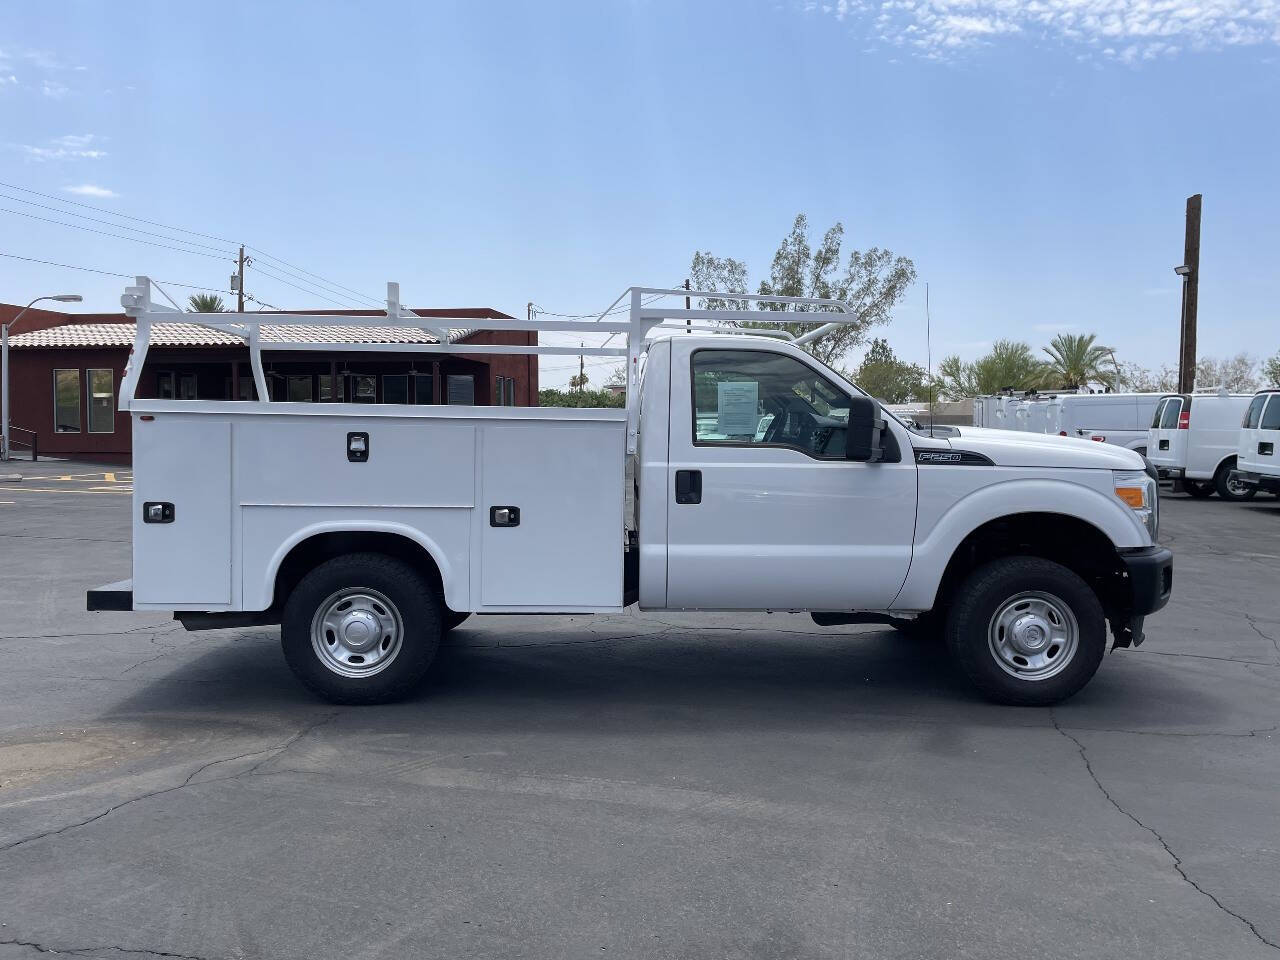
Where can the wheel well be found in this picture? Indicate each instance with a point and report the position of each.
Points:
(1227, 461)
(313, 551)
(1076, 544)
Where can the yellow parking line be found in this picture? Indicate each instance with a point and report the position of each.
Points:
(71, 490)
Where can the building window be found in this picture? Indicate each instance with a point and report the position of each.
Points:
(187, 386)
(364, 389)
(300, 389)
(66, 401)
(395, 388)
(164, 385)
(500, 391)
(326, 388)
(424, 388)
(102, 414)
(461, 388)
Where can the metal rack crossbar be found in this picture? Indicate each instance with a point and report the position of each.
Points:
(644, 320)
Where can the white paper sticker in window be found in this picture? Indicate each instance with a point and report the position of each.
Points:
(736, 408)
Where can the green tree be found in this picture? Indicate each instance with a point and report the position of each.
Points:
(552, 397)
(1075, 359)
(870, 282)
(1010, 364)
(1271, 371)
(889, 379)
(206, 303)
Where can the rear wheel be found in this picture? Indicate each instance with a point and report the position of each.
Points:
(1229, 489)
(361, 628)
(1026, 631)
(1199, 489)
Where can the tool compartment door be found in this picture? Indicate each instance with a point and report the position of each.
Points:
(185, 461)
(566, 482)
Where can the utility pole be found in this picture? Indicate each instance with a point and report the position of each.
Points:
(240, 281)
(688, 324)
(1190, 273)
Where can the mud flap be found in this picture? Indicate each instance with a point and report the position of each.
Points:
(1127, 633)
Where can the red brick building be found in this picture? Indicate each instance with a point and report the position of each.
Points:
(66, 371)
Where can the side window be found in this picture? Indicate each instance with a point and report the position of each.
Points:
(1254, 413)
(1155, 420)
(66, 401)
(1169, 417)
(758, 398)
(102, 413)
(1271, 419)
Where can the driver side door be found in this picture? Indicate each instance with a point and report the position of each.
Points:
(765, 511)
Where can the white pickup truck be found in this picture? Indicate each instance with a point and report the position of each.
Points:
(762, 481)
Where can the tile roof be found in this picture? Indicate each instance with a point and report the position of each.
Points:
(195, 335)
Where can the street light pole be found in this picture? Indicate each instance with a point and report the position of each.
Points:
(4, 364)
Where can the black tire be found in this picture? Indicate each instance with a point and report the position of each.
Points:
(987, 590)
(1198, 489)
(928, 627)
(1224, 488)
(451, 618)
(411, 596)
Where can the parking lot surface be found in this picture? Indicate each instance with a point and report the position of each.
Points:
(636, 786)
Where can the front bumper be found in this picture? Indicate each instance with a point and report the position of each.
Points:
(1150, 574)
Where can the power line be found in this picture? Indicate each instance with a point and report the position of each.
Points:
(109, 273)
(118, 236)
(155, 223)
(312, 283)
(332, 283)
(108, 223)
(125, 216)
(310, 293)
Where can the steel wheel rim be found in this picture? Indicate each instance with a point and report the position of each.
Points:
(1236, 488)
(1033, 636)
(357, 632)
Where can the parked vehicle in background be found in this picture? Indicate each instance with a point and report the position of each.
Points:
(1121, 419)
(1257, 463)
(763, 480)
(1194, 440)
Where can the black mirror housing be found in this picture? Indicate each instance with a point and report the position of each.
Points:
(862, 440)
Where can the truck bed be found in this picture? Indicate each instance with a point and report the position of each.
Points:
(249, 484)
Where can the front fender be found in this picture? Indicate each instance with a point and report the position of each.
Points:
(938, 540)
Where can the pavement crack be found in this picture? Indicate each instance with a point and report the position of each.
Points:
(1177, 860)
(272, 753)
(1275, 641)
(104, 948)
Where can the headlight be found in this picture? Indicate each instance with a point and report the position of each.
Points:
(1140, 493)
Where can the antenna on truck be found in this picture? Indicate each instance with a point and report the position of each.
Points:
(928, 353)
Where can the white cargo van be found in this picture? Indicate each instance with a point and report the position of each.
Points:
(763, 481)
(1121, 419)
(1194, 438)
(1257, 462)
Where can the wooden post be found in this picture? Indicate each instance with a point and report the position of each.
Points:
(1190, 298)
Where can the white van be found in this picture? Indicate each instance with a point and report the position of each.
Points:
(1257, 463)
(1121, 419)
(1193, 439)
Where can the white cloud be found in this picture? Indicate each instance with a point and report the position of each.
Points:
(1126, 31)
(91, 190)
(54, 90)
(71, 146)
(8, 80)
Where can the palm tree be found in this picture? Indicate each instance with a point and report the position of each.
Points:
(206, 303)
(1074, 360)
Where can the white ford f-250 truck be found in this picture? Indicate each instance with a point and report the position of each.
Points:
(762, 481)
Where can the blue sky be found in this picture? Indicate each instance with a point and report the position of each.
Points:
(1033, 159)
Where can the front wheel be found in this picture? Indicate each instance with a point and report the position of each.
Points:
(361, 628)
(1026, 631)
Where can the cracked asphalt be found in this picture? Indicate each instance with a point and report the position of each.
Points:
(638, 785)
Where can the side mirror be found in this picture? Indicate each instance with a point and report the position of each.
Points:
(862, 440)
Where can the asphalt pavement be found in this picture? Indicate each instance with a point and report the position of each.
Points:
(635, 786)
